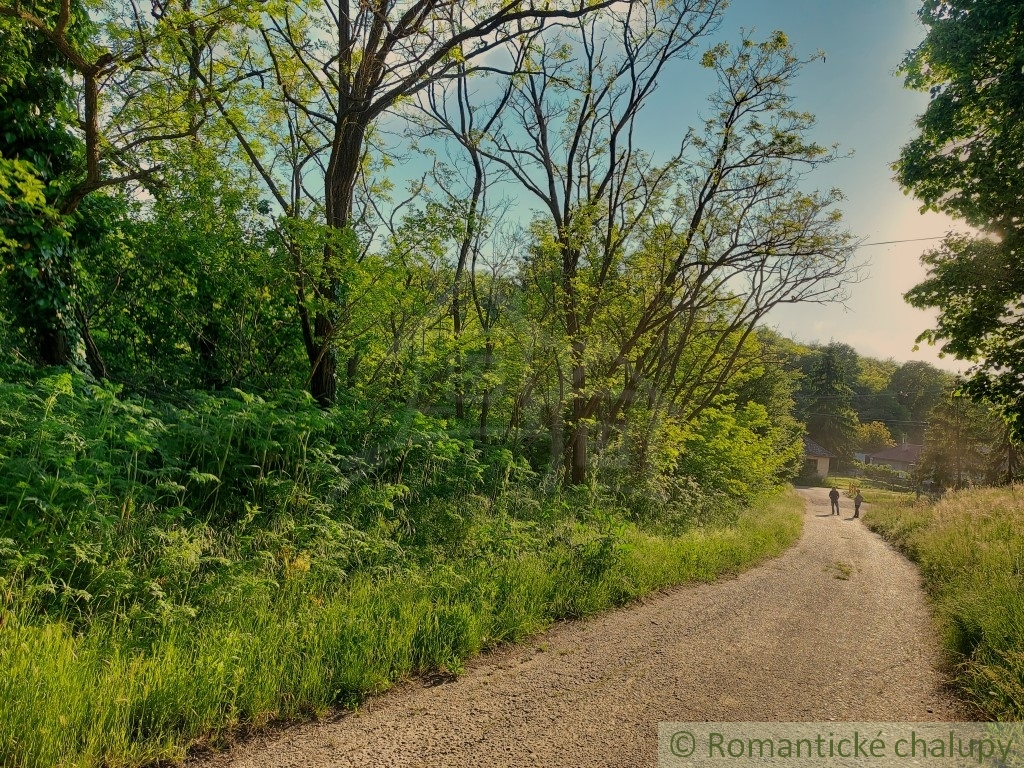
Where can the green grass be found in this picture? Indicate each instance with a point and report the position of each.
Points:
(174, 573)
(970, 546)
(106, 697)
(874, 492)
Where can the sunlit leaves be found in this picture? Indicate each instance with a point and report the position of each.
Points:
(966, 161)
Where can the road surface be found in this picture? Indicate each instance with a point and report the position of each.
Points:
(835, 629)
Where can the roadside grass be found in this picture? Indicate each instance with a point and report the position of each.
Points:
(970, 547)
(874, 492)
(109, 694)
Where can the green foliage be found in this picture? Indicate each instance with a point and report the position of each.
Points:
(831, 420)
(193, 289)
(919, 387)
(977, 285)
(111, 503)
(20, 189)
(970, 60)
(882, 474)
(262, 653)
(169, 573)
(38, 279)
(897, 396)
(968, 546)
(967, 443)
(738, 452)
(185, 529)
(872, 437)
(965, 161)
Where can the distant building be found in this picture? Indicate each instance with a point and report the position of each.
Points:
(816, 459)
(902, 458)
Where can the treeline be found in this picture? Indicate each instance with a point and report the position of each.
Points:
(856, 403)
(190, 206)
(851, 403)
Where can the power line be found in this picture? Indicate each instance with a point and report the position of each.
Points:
(856, 396)
(903, 422)
(885, 421)
(911, 240)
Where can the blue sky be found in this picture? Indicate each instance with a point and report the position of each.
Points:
(861, 104)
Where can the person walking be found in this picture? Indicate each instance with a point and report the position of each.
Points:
(834, 496)
(857, 500)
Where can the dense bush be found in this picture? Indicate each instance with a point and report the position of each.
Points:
(170, 571)
(113, 503)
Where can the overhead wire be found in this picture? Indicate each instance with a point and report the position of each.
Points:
(910, 240)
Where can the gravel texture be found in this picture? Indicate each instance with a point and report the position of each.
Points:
(835, 629)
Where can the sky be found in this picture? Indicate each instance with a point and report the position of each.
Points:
(862, 106)
(860, 103)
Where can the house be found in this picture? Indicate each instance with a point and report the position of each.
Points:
(902, 458)
(816, 459)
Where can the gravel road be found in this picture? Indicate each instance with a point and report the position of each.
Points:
(835, 629)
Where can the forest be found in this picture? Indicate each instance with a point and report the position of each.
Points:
(853, 404)
(339, 342)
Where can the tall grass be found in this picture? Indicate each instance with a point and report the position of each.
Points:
(970, 546)
(171, 572)
(102, 697)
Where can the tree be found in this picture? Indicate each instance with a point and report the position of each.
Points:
(918, 387)
(42, 152)
(191, 287)
(569, 142)
(967, 156)
(966, 162)
(21, 190)
(873, 436)
(977, 286)
(339, 69)
(830, 417)
(450, 113)
(91, 94)
(657, 274)
(966, 444)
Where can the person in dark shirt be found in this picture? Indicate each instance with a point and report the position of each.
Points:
(834, 496)
(857, 501)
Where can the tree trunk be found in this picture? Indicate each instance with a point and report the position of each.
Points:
(58, 328)
(557, 425)
(460, 394)
(93, 359)
(54, 346)
(323, 383)
(339, 182)
(464, 252)
(578, 428)
(65, 341)
(485, 399)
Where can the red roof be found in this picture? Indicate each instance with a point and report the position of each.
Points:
(908, 453)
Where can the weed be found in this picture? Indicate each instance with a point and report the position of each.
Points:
(841, 571)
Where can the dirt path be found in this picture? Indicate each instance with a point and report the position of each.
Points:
(837, 628)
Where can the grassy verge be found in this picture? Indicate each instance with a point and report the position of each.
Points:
(970, 546)
(104, 697)
(173, 572)
(874, 492)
